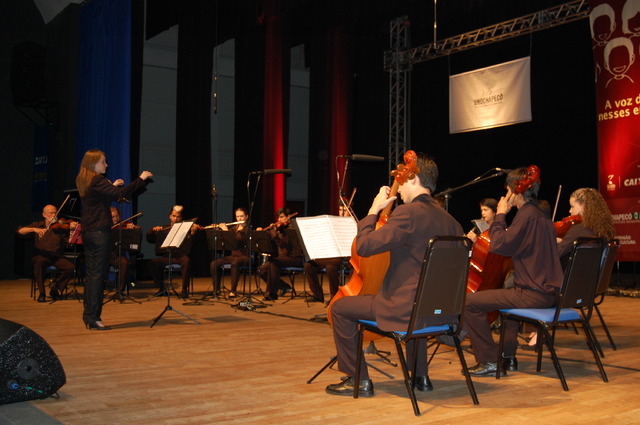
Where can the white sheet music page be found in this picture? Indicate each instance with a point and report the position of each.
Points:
(177, 234)
(327, 236)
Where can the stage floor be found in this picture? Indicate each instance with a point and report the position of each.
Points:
(252, 367)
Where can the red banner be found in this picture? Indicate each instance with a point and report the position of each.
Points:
(615, 32)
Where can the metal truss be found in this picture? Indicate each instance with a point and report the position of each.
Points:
(399, 89)
(541, 20)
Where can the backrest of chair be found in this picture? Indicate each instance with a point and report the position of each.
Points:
(442, 284)
(606, 265)
(581, 274)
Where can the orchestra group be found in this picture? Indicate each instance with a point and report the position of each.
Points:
(533, 255)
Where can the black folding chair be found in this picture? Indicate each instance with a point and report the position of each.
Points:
(606, 269)
(575, 305)
(437, 308)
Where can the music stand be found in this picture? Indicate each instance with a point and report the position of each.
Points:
(260, 243)
(174, 239)
(220, 241)
(127, 240)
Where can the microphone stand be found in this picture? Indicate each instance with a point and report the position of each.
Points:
(446, 194)
(247, 302)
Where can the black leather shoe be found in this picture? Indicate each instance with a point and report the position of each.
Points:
(270, 297)
(509, 363)
(184, 295)
(285, 288)
(346, 388)
(99, 326)
(55, 295)
(484, 369)
(42, 298)
(423, 383)
(314, 300)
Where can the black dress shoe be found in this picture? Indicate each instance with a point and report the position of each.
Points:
(346, 388)
(184, 295)
(423, 383)
(55, 295)
(42, 298)
(285, 288)
(509, 363)
(99, 326)
(484, 369)
(270, 297)
(314, 300)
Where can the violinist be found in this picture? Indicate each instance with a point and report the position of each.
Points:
(530, 242)
(239, 256)
(405, 237)
(180, 255)
(287, 256)
(589, 217)
(122, 263)
(50, 238)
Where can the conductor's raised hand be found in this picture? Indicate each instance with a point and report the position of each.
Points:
(146, 174)
(118, 182)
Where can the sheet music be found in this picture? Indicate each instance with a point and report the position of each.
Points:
(177, 234)
(327, 236)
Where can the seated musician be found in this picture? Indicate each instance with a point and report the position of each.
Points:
(122, 263)
(405, 237)
(179, 255)
(589, 217)
(287, 256)
(530, 242)
(488, 208)
(238, 257)
(50, 239)
(331, 266)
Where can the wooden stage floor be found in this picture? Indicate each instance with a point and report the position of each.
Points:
(251, 367)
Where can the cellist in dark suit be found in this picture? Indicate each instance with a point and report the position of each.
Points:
(405, 236)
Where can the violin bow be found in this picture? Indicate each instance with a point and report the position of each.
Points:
(555, 208)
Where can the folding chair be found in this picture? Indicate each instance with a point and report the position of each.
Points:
(575, 305)
(606, 269)
(437, 308)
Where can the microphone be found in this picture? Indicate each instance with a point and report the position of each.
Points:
(364, 158)
(273, 171)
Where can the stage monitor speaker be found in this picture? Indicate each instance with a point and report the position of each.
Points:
(29, 369)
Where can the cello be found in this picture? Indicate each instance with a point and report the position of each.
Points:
(368, 272)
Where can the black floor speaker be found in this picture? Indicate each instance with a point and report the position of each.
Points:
(29, 369)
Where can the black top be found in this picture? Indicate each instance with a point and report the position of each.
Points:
(95, 204)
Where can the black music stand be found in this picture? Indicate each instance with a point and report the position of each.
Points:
(174, 239)
(220, 241)
(260, 243)
(128, 240)
(71, 209)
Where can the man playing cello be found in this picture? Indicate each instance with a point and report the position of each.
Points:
(405, 237)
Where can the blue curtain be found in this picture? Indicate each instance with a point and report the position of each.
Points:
(104, 85)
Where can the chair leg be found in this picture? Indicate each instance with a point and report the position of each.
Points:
(591, 343)
(606, 329)
(556, 363)
(360, 354)
(465, 369)
(408, 380)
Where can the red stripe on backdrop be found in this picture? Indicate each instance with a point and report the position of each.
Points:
(615, 31)
(274, 143)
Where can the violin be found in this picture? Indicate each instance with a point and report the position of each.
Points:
(279, 224)
(563, 226)
(61, 225)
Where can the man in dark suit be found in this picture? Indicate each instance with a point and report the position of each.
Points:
(405, 236)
